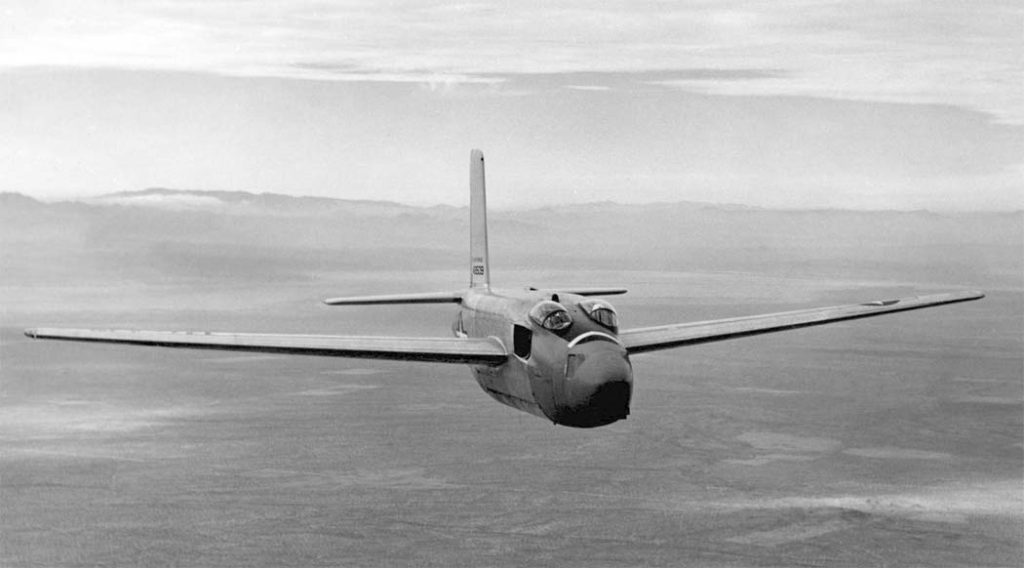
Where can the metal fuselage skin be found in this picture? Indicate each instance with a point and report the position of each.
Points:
(580, 376)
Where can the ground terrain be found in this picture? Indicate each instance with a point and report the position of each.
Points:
(882, 442)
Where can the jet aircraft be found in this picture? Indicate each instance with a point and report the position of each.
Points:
(558, 354)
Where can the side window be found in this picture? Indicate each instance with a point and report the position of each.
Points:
(522, 341)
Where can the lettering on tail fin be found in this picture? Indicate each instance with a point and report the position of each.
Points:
(479, 266)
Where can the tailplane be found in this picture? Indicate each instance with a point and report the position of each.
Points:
(415, 298)
(479, 265)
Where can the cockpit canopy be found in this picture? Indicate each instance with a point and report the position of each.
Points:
(551, 316)
(602, 312)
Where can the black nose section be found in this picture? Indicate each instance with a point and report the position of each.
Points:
(598, 385)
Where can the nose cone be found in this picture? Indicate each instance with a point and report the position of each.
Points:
(598, 385)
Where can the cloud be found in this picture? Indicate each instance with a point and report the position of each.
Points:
(967, 55)
(588, 87)
(175, 201)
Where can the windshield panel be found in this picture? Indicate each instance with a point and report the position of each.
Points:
(551, 315)
(601, 312)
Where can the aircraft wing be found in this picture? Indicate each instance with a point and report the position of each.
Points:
(581, 291)
(421, 298)
(593, 291)
(666, 336)
(484, 351)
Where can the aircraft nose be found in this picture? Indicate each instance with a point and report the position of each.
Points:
(598, 385)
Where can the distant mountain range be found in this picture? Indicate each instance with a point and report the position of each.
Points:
(164, 233)
(278, 204)
(242, 202)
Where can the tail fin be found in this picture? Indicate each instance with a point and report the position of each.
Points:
(479, 265)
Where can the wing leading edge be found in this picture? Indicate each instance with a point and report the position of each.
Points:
(482, 351)
(666, 336)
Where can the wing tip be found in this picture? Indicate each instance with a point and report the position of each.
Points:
(944, 298)
(964, 296)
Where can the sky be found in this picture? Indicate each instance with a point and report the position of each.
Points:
(788, 104)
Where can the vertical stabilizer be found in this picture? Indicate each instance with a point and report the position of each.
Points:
(479, 266)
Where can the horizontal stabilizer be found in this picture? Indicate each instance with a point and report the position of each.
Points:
(476, 351)
(678, 335)
(587, 291)
(424, 298)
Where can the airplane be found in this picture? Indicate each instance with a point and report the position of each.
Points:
(558, 354)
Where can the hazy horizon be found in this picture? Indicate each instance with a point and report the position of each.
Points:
(134, 198)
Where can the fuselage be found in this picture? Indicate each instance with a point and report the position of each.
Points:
(567, 364)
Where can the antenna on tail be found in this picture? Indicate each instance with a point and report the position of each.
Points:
(479, 266)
